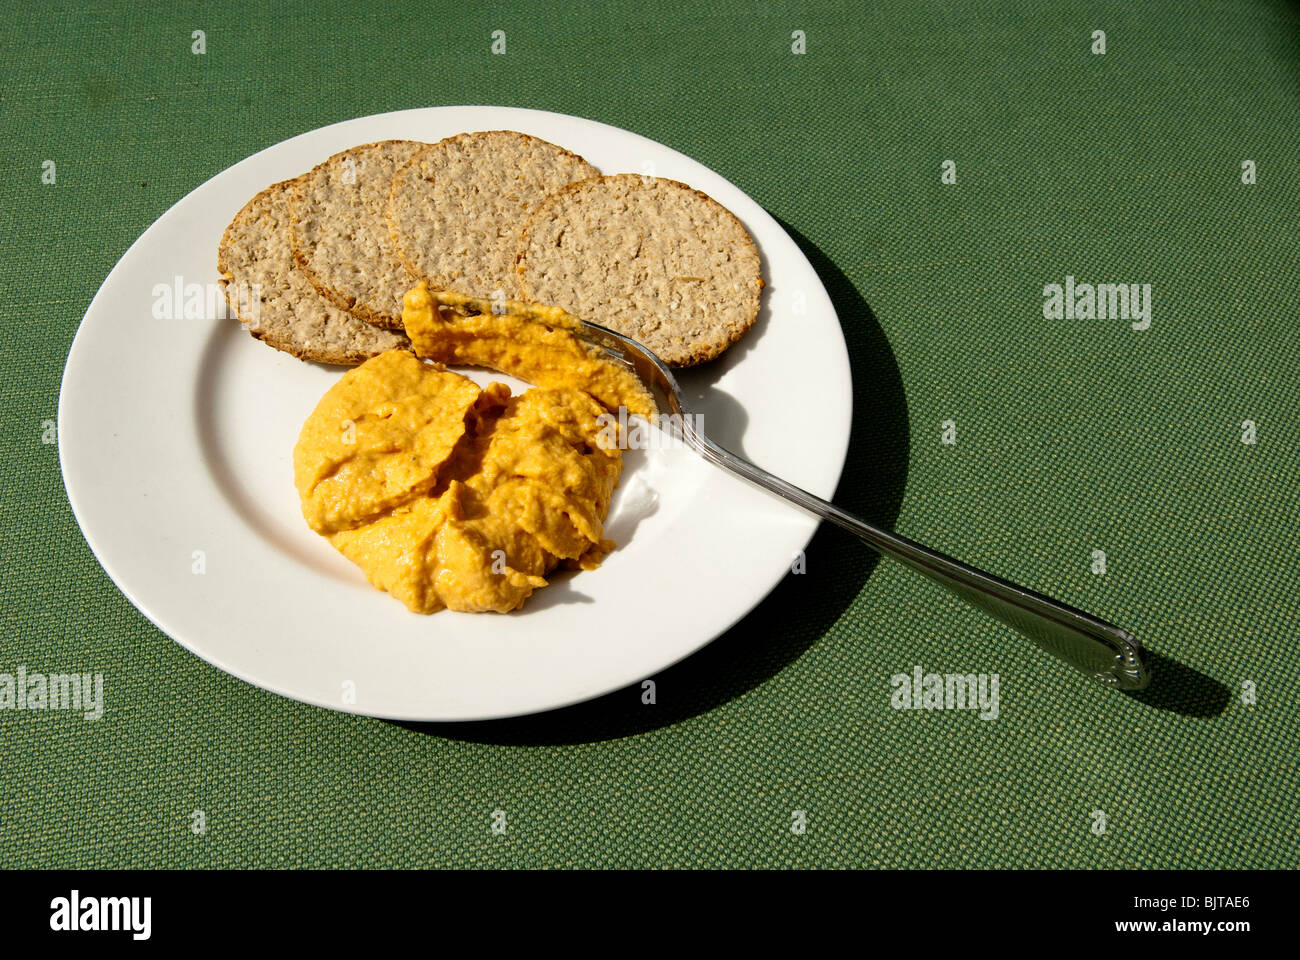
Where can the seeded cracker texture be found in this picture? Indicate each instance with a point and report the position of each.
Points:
(654, 259)
(256, 253)
(340, 236)
(456, 209)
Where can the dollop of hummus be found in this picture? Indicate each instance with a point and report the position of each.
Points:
(446, 495)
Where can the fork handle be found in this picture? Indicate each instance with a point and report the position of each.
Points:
(1100, 649)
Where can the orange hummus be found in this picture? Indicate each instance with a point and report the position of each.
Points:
(446, 495)
(533, 342)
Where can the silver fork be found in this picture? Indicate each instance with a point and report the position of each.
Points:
(1100, 649)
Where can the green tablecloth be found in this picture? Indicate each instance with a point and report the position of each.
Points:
(1072, 435)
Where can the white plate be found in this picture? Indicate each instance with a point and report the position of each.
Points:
(175, 437)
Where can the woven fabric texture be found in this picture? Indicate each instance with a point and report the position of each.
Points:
(1071, 436)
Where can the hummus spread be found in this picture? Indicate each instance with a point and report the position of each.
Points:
(533, 342)
(450, 496)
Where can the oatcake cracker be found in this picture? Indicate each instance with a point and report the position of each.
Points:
(288, 314)
(654, 259)
(340, 238)
(455, 210)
